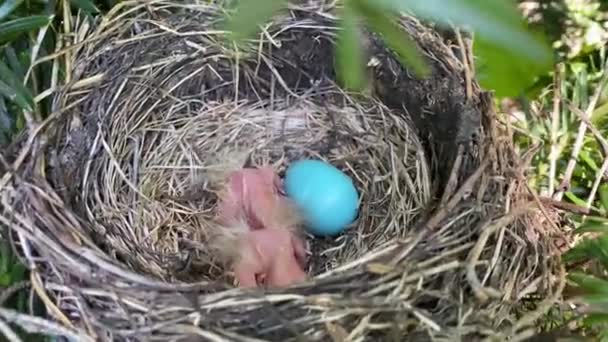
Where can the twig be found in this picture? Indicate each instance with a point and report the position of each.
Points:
(443, 211)
(465, 62)
(8, 332)
(66, 29)
(39, 325)
(470, 54)
(565, 206)
(555, 116)
(40, 291)
(599, 175)
(580, 137)
(450, 186)
(542, 308)
(542, 208)
(9, 292)
(481, 292)
(517, 332)
(596, 133)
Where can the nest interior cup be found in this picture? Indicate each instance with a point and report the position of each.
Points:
(175, 157)
(447, 241)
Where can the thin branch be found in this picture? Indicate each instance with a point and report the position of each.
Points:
(580, 137)
(10, 291)
(555, 118)
(481, 292)
(544, 306)
(34, 324)
(599, 175)
(565, 206)
(465, 62)
(8, 332)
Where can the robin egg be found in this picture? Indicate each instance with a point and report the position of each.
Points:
(326, 196)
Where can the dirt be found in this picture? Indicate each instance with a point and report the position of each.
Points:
(435, 104)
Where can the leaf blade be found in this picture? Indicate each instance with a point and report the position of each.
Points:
(503, 69)
(13, 61)
(11, 95)
(249, 14)
(349, 57)
(86, 6)
(397, 39)
(597, 318)
(603, 192)
(18, 26)
(575, 199)
(501, 35)
(8, 7)
(590, 283)
(14, 89)
(497, 20)
(586, 249)
(592, 227)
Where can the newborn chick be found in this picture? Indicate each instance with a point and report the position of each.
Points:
(270, 257)
(269, 251)
(253, 194)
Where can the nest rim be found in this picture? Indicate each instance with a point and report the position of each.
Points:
(325, 294)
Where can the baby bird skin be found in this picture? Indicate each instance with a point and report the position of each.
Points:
(270, 253)
(269, 257)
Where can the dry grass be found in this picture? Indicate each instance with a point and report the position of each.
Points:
(111, 197)
(155, 183)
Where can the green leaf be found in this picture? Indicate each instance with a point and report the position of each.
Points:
(589, 248)
(576, 253)
(5, 280)
(597, 318)
(505, 70)
(597, 301)
(249, 14)
(397, 39)
(6, 120)
(511, 55)
(597, 218)
(18, 271)
(599, 250)
(5, 256)
(585, 156)
(86, 6)
(603, 192)
(578, 67)
(349, 55)
(22, 25)
(12, 95)
(575, 199)
(591, 284)
(497, 21)
(8, 7)
(14, 89)
(592, 227)
(19, 123)
(13, 61)
(599, 113)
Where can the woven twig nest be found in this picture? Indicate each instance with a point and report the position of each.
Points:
(110, 201)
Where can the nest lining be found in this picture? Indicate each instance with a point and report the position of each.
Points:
(462, 269)
(155, 184)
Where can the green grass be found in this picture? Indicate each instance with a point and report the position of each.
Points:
(575, 93)
(28, 32)
(12, 274)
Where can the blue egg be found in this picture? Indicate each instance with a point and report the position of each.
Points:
(325, 195)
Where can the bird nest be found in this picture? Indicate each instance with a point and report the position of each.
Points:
(111, 200)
